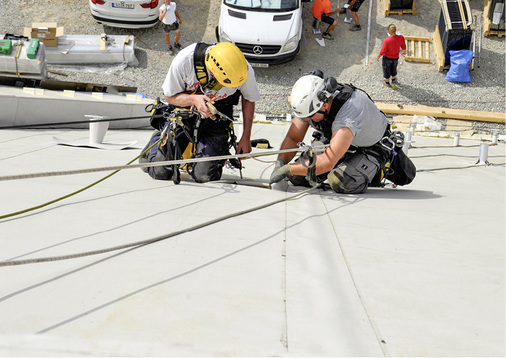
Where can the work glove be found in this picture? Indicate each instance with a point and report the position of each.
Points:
(280, 172)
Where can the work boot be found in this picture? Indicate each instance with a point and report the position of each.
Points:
(355, 28)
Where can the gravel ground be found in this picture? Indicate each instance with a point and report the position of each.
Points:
(344, 58)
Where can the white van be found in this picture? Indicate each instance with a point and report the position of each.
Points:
(266, 31)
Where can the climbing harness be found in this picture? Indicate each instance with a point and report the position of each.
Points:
(178, 120)
(168, 135)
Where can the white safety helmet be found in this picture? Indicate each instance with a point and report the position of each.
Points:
(305, 99)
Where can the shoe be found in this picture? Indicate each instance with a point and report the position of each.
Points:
(178, 46)
(327, 36)
(355, 28)
(171, 51)
(394, 79)
(386, 83)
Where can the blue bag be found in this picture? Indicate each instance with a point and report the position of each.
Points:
(459, 66)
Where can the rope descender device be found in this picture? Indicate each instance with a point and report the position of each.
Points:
(308, 160)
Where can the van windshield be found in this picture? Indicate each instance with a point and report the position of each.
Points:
(267, 5)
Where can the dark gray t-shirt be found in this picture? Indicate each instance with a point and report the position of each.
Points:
(363, 118)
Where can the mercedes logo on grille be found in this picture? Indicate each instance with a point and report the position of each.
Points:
(257, 50)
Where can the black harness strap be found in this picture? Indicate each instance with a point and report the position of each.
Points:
(199, 62)
(199, 56)
(325, 126)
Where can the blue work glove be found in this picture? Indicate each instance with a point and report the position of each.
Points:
(280, 172)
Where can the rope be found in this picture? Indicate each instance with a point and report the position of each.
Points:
(117, 169)
(153, 240)
(75, 192)
(462, 167)
(38, 125)
(141, 165)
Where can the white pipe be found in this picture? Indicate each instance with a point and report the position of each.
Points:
(495, 133)
(456, 139)
(483, 153)
(407, 142)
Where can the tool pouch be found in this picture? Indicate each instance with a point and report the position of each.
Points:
(402, 170)
(354, 174)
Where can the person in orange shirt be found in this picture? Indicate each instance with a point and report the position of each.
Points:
(390, 52)
(321, 11)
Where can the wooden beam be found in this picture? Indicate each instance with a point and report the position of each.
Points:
(466, 114)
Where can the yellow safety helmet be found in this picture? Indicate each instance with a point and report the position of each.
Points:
(228, 64)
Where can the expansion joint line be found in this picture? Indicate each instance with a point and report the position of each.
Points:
(359, 293)
(153, 240)
(284, 336)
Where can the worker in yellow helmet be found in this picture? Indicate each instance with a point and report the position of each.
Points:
(203, 74)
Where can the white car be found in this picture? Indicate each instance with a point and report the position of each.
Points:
(266, 31)
(132, 14)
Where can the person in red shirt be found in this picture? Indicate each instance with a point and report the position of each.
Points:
(390, 53)
(321, 11)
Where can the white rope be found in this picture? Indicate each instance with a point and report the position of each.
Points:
(143, 165)
(153, 240)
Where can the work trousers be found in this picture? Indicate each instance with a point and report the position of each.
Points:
(212, 140)
(389, 67)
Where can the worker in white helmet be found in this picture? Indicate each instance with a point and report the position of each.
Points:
(356, 146)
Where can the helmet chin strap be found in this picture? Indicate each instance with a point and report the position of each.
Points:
(325, 112)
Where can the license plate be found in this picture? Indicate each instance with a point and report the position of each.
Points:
(256, 64)
(122, 5)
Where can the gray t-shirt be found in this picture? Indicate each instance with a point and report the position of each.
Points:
(363, 118)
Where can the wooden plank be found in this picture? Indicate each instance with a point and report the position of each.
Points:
(417, 49)
(103, 39)
(438, 50)
(462, 15)
(487, 23)
(386, 7)
(465, 114)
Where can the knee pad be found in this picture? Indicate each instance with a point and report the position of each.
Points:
(354, 174)
(203, 172)
(157, 154)
(160, 172)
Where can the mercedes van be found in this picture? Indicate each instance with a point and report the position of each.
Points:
(266, 31)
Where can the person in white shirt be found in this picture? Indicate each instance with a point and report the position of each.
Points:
(199, 76)
(169, 16)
